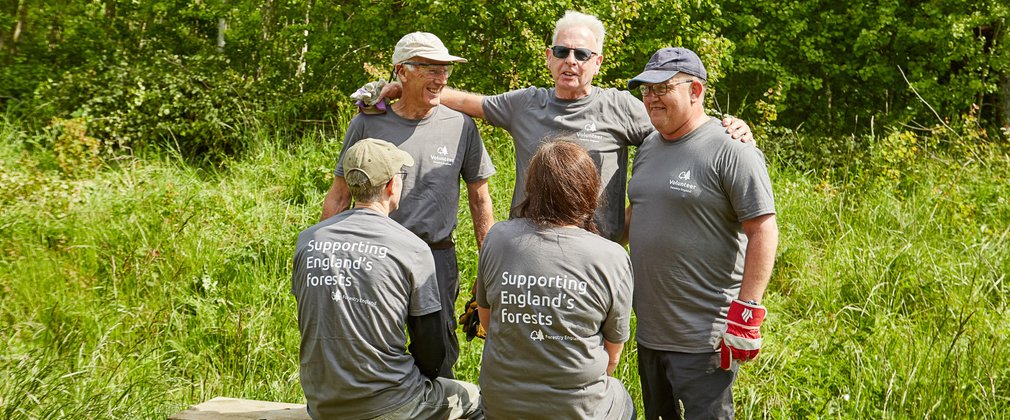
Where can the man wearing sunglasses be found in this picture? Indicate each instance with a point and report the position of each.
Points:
(604, 121)
(446, 147)
(703, 237)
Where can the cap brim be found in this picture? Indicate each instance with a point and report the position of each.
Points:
(651, 76)
(442, 57)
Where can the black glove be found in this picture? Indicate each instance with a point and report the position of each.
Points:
(469, 321)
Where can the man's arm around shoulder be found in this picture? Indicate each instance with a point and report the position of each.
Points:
(471, 104)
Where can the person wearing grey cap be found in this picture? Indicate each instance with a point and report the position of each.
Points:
(446, 147)
(605, 121)
(703, 238)
(358, 278)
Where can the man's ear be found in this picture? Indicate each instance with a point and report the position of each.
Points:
(696, 89)
(398, 71)
(389, 188)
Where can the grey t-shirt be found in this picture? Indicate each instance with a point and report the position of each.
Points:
(605, 122)
(357, 276)
(688, 200)
(445, 146)
(554, 295)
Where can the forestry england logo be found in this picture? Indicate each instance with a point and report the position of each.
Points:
(588, 133)
(442, 157)
(337, 296)
(537, 335)
(683, 183)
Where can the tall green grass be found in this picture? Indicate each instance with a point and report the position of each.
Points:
(149, 285)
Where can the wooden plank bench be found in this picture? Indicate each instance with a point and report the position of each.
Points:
(223, 408)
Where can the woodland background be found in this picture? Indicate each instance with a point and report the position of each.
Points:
(158, 159)
(139, 72)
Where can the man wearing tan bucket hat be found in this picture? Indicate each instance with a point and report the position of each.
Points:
(446, 147)
(358, 278)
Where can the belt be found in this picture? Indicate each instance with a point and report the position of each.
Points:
(443, 244)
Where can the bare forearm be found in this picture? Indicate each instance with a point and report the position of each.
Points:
(468, 103)
(762, 243)
(613, 354)
(481, 209)
(338, 199)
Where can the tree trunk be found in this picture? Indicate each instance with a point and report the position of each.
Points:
(1003, 95)
(22, 14)
(1003, 100)
(110, 9)
(222, 26)
(302, 67)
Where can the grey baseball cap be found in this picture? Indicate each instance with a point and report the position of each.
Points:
(378, 160)
(422, 44)
(666, 63)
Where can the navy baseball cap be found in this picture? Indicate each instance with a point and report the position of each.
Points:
(666, 63)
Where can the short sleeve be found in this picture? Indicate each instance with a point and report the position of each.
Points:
(617, 325)
(638, 118)
(746, 181)
(424, 285)
(500, 109)
(477, 163)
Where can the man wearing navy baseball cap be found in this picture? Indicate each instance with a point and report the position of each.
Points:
(703, 237)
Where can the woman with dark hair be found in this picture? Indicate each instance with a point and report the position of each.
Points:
(555, 299)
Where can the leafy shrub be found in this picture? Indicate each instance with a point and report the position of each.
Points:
(194, 104)
(76, 152)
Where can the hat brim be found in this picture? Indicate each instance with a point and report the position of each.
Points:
(442, 57)
(651, 76)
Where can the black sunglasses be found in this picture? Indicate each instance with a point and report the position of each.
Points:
(581, 54)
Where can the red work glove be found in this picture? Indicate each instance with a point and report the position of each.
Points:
(742, 339)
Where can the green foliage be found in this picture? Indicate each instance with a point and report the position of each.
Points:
(842, 64)
(826, 67)
(76, 152)
(187, 106)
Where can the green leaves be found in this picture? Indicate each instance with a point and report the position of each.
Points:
(146, 73)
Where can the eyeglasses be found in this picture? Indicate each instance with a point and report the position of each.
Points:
(402, 174)
(660, 90)
(581, 54)
(431, 70)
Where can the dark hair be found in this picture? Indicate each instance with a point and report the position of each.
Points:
(562, 187)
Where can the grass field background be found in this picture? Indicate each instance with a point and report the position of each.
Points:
(134, 287)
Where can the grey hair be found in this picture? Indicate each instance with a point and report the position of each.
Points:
(361, 189)
(573, 19)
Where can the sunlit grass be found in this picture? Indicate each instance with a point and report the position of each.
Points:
(154, 285)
